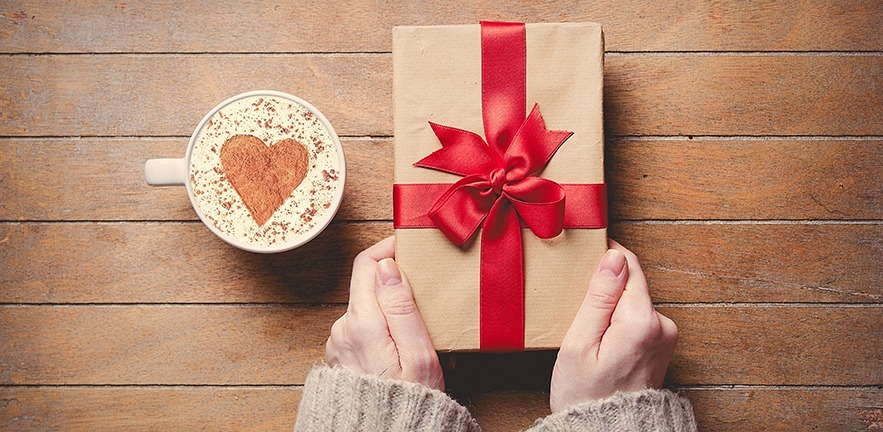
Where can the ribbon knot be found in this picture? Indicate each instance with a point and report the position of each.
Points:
(491, 180)
(498, 179)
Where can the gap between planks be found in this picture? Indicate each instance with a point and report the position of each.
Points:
(386, 221)
(161, 386)
(389, 53)
(301, 386)
(758, 305)
(390, 137)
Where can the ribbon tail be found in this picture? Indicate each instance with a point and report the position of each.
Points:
(501, 287)
(503, 81)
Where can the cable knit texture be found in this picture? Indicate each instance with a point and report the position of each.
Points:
(338, 399)
(645, 410)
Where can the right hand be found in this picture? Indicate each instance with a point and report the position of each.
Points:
(617, 342)
(382, 332)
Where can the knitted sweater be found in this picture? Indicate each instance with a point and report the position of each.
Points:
(338, 399)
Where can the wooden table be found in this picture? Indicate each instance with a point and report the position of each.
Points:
(745, 163)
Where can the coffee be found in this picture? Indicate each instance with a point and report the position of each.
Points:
(264, 171)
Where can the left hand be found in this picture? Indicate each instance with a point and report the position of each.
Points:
(382, 332)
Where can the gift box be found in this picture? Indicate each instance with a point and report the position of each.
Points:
(499, 240)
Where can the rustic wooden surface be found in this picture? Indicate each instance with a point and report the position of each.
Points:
(744, 157)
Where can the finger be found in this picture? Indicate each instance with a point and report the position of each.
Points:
(669, 329)
(605, 289)
(636, 296)
(636, 274)
(331, 357)
(363, 301)
(336, 336)
(406, 327)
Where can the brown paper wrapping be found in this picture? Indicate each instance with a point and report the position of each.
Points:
(437, 77)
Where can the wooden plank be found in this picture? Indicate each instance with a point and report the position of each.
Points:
(745, 179)
(720, 344)
(103, 179)
(177, 263)
(184, 263)
(718, 179)
(169, 94)
(725, 410)
(738, 344)
(213, 26)
(148, 409)
(108, 95)
(186, 344)
(749, 409)
(743, 95)
(758, 262)
(172, 344)
(274, 408)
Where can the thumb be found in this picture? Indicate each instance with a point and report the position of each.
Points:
(605, 290)
(406, 327)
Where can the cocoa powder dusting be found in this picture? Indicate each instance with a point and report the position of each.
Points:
(270, 194)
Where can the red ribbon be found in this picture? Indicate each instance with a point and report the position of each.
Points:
(500, 189)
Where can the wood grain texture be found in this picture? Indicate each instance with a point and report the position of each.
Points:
(227, 26)
(169, 94)
(745, 179)
(148, 409)
(175, 263)
(724, 410)
(743, 95)
(720, 343)
(743, 409)
(238, 344)
(230, 345)
(648, 179)
(758, 262)
(138, 95)
(186, 263)
(824, 409)
(103, 179)
(737, 344)
(274, 408)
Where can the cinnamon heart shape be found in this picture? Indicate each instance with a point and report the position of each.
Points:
(264, 176)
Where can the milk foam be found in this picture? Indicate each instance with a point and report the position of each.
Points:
(271, 119)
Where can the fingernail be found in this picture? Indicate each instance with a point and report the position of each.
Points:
(612, 264)
(388, 272)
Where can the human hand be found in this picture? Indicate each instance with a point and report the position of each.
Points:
(617, 342)
(382, 332)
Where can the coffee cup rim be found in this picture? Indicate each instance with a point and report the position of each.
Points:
(326, 218)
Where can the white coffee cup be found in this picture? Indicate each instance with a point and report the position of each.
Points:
(175, 172)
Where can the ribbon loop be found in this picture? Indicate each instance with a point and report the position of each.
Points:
(462, 208)
(540, 203)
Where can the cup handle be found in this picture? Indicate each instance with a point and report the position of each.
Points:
(165, 172)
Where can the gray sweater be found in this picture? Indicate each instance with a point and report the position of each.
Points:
(338, 399)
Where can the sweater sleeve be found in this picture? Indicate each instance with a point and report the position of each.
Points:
(338, 399)
(645, 410)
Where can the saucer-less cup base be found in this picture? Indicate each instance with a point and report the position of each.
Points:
(175, 172)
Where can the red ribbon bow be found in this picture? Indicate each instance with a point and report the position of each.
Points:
(497, 187)
(500, 187)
